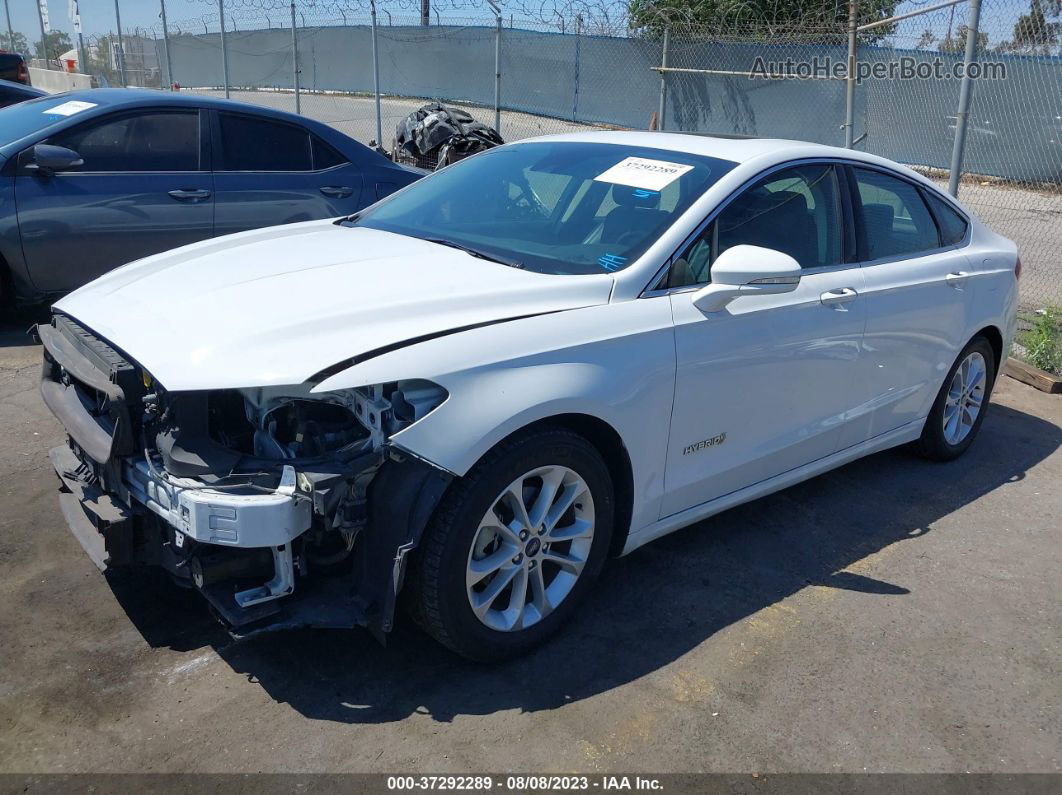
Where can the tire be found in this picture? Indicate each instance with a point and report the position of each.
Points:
(945, 442)
(474, 530)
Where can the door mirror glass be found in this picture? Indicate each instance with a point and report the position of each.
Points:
(49, 159)
(747, 270)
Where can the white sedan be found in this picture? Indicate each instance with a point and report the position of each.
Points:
(478, 389)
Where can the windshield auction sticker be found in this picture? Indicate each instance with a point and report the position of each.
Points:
(641, 172)
(69, 108)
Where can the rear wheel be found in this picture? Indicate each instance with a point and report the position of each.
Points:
(960, 406)
(515, 546)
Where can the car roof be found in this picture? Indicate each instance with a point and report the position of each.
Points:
(22, 87)
(115, 98)
(737, 149)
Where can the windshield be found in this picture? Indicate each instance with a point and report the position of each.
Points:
(26, 118)
(552, 207)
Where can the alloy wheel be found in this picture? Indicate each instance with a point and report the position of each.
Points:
(965, 397)
(530, 548)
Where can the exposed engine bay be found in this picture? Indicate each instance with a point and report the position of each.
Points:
(283, 507)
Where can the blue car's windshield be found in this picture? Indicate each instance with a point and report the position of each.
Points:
(25, 118)
(553, 207)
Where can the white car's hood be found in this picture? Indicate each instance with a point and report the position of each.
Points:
(276, 306)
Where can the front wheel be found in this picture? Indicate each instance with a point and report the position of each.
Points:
(515, 546)
(960, 406)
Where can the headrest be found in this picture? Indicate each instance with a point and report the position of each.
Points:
(879, 216)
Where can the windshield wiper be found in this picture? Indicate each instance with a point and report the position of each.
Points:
(442, 241)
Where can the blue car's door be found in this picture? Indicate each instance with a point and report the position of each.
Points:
(270, 172)
(145, 187)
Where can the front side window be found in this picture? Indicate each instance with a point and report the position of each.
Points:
(895, 219)
(558, 207)
(160, 141)
(796, 211)
(252, 144)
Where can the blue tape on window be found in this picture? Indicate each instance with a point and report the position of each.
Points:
(611, 262)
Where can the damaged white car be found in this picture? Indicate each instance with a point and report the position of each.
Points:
(477, 389)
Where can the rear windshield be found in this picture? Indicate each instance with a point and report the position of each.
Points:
(558, 207)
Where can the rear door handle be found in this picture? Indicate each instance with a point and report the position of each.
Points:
(190, 194)
(957, 279)
(337, 191)
(841, 295)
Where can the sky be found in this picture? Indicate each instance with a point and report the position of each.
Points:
(97, 16)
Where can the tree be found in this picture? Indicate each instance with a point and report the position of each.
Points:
(15, 43)
(1032, 32)
(927, 38)
(795, 18)
(55, 44)
(958, 43)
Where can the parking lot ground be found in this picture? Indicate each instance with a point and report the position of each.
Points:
(892, 615)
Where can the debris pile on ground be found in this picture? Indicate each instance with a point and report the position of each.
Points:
(435, 135)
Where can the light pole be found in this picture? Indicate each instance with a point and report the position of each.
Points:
(121, 43)
(166, 44)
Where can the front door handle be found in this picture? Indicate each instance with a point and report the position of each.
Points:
(337, 191)
(842, 295)
(190, 194)
(957, 279)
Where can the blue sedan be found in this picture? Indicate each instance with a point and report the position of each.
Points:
(90, 180)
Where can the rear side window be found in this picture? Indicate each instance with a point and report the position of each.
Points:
(324, 156)
(952, 225)
(161, 141)
(896, 220)
(250, 144)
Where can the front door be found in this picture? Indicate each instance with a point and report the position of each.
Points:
(143, 188)
(768, 383)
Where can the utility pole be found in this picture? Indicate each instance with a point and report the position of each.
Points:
(44, 37)
(121, 43)
(10, 31)
(425, 12)
(166, 44)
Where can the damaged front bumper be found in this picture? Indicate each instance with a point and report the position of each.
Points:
(243, 549)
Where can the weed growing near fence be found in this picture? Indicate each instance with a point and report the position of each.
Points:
(1043, 340)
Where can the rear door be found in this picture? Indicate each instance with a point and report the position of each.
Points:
(918, 292)
(272, 172)
(145, 187)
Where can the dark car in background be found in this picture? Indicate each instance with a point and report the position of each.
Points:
(10, 93)
(13, 67)
(91, 180)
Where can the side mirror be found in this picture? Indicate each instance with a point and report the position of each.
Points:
(747, 270)
(48, 159)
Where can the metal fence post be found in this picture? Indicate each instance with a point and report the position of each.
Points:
(663, 81)
(10, 30)
(965, 96)
(497, 73)
(166, 44)
(121, 42)
(44, 36)
(578, 55)
(224, 48)
(295, 57)
(849, 99)
(376, 76)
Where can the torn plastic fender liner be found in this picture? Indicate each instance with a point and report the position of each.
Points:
(401, 499)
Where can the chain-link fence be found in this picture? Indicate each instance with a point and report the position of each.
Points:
(754, 68)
